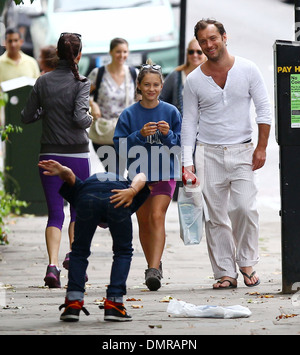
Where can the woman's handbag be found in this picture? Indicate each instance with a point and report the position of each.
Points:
(102, 130)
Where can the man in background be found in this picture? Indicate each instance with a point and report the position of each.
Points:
(13, 62)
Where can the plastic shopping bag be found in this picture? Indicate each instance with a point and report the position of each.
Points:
(182, 309)
(192, 213)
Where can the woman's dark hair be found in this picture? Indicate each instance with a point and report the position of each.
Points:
(11, 31)
(49, 56)
(68, 47)
(202, 24)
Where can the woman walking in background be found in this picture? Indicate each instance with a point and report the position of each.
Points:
(172, 91)
(60, 99)
(113, 86)
(48, 59)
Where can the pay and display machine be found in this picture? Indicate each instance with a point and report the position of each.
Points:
(287, 111)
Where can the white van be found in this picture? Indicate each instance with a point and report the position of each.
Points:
(148, 26)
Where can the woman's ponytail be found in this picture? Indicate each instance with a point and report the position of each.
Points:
(68, 47)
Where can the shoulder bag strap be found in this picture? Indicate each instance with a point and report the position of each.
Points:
(98, 81)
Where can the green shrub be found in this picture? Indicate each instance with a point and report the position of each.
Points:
(9, 204)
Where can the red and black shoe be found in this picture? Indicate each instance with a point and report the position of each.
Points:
(72, 310)
(115, 312)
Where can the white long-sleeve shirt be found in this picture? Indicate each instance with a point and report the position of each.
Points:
(222, 115)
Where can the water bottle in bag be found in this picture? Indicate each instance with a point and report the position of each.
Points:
(189, 222)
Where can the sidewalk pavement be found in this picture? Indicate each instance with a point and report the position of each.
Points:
(27, 307)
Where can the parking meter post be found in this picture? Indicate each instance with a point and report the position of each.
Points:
(287, 114)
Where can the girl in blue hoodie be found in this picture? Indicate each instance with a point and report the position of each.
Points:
(147, 136)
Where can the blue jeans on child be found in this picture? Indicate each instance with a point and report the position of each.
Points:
(91, 200)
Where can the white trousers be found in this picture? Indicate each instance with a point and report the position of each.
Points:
(230, 191)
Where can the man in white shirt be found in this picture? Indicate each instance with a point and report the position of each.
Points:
(217, 98)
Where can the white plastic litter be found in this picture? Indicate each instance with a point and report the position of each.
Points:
(183, 309)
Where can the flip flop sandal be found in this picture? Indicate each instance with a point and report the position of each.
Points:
(250, 277)
(231, 285)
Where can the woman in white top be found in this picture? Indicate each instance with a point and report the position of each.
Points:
(113, 94)
(172, 91)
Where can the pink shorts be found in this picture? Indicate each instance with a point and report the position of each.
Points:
(162, 188)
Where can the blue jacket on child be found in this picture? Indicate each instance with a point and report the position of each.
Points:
(157, 156)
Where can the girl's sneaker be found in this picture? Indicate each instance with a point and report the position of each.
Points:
(72, 310)
(52, 278)
(152, 279)
(116, 312)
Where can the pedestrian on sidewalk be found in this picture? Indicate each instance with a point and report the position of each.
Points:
(172, 91)
(113, 89)
(48, 59)
(61, 99)
(146, 127)
(217, 98)
(14, 63)
(103, 200)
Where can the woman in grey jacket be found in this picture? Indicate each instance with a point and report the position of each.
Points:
(60, 99)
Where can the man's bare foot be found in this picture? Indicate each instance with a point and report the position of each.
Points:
(225, 282)
(250, 277)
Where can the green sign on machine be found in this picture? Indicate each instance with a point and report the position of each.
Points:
(295, 100)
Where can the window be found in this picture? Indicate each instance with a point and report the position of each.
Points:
(88, 5)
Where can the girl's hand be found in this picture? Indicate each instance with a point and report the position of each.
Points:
(163, 127)
(149, 129)
(123, 197)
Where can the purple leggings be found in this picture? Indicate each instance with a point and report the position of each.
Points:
(52, 184)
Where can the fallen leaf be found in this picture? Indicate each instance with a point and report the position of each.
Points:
(99, 302)
(155, 326)
(12, 307)
(166, 299)
(133, 299)
(136, 306)
(285, 316)
(38, 286)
